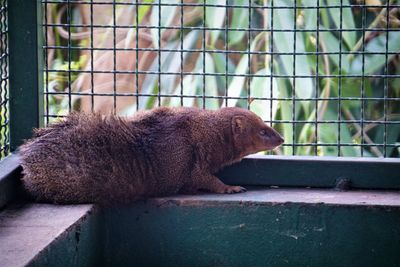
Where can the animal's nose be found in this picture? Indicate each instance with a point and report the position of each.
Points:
(279, 139)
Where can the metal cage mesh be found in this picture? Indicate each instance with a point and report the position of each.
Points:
(4, 115)
(323, 73)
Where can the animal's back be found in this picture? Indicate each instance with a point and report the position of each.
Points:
(87, 158)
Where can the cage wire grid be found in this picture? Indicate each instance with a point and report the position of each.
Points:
(323, 73)
(4, 116)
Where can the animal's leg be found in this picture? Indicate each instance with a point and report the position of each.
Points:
(202, 180)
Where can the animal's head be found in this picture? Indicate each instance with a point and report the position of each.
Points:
(251, 134)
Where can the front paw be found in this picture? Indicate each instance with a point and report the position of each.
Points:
(232, 189)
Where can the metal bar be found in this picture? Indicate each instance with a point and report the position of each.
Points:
(26, 64)
(4, 88)
(362, 173)
(69, 54)
(46, 64)
(203, 55)
(91, 57)
(255, 29)
(181, 53)
(218, 51)
(217, 5)
(386, 81)
(363, 22)
(249, 56)
(317, 82)
(114, 22)
(137, 54)
(226, 35)
(231, 74)
(233, 97)
(340, 76)
(294, 79)
(159, 52)
(271, 62)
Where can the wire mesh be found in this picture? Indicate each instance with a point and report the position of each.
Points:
(326, 74)
(4, 116)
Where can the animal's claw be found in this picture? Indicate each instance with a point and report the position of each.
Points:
(234, 189)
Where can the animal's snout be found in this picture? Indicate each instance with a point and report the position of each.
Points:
(275, 139)
(279, 139)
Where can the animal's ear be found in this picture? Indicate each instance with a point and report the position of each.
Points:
(238, 124)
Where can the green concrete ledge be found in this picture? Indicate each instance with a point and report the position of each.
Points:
(262, 227)
(47, 235)
(271, 196)
(10, 170)
(267, 227)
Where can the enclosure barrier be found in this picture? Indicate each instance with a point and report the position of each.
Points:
(323, 73)
(4, 120)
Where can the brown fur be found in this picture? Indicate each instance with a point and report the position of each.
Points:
(89, 158)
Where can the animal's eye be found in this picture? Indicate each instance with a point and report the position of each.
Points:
(263, 132)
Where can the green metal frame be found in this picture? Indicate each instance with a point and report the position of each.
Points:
(10, 171)
(300, 171)
(223, 233)
(25, 64)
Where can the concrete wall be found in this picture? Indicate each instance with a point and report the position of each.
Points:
(80, 245)
(252, 234)
(284, 227)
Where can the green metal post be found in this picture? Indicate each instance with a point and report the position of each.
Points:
(26, 62)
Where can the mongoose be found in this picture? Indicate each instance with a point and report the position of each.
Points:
(89, 158)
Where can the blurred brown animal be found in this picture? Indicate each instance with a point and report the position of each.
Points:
(124, 60)
(89, 158)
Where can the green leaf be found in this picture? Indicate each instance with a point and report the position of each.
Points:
(349, 37)
(284, 43)
(392, 134)
(211, 88)
(193, 85)
(310, 14)
(142, 11)
(189, 83)
(328, 133)
(207, 84)
(150, 84)
(286, 114)
(167, 16)
(215, 17)
(171, 61)
(332, 45)
(346, 137)
(375, 61)
(237, 84)
(240, 20)
(220, 61)
(261, 88)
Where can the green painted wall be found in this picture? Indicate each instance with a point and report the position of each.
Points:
(251, 235)
(230, 234)
(78, 246)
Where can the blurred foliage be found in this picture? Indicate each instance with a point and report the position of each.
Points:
(328, 64)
